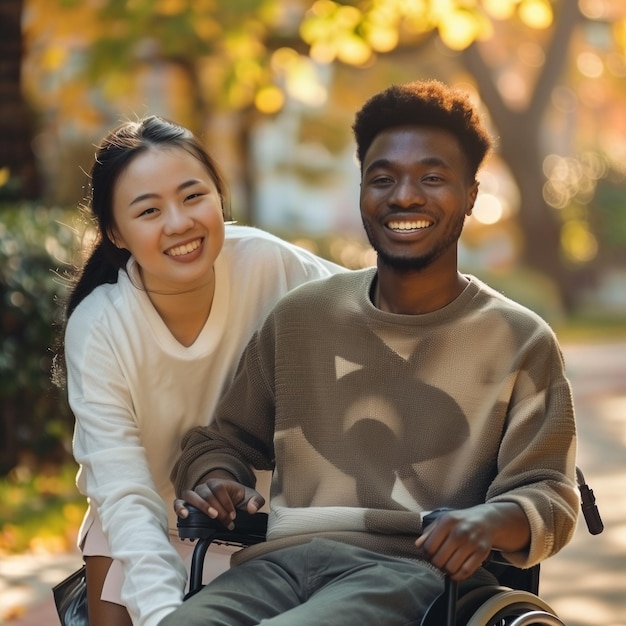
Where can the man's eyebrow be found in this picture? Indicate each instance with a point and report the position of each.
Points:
(432, 161)
(376, 164)
(181, 187)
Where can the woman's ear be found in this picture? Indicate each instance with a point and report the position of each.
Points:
(116, 239)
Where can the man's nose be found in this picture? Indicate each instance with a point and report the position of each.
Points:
(407, 192)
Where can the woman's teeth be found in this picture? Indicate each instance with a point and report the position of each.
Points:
(186, 249)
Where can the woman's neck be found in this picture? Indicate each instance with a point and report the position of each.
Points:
(185, 313)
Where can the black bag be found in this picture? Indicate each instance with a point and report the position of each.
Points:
(70, 597)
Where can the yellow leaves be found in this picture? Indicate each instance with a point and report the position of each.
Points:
(460, 28)
(345, 33)
(536, 13)
(5, 174)
(302, 82)
(331, 31)
(206, 28)
(269, 99)
(170, 7)
(578, 242)
(53, 58)
(619, 32)
(45, 20)
(500, 9)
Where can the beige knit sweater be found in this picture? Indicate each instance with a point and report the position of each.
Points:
(371, 419)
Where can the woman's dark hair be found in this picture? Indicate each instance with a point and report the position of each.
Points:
(114, 154)
(423, 103)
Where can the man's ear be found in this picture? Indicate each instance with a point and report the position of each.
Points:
(471, 197)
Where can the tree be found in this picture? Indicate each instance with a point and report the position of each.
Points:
(520, 133)
(18, 170)
(249, 55)
(355, 32)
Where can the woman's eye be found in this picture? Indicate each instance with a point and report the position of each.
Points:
(149, 211)
(193, 196)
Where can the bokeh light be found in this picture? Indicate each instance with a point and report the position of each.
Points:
(487, 209)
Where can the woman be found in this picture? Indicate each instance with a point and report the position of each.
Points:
(156, 323)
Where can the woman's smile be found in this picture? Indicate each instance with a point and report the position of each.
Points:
(184, 249)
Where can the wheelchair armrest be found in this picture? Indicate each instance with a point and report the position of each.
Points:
(249, 529)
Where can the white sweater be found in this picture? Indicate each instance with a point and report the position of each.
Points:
(135, 391)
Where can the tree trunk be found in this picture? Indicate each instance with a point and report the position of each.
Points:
(519, 144)
(16, 155)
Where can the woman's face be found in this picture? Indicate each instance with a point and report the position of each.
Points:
(167, 212)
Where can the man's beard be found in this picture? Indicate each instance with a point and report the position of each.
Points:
(415, 263)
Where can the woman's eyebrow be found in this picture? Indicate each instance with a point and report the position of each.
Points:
(148, 196)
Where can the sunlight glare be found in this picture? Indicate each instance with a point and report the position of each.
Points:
(302, 82)
(590, 64)
(500, 9)
(536, 13)
(269, 99)
(458, 30)
(487, 209)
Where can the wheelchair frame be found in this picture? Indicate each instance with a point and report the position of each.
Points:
(514, 602)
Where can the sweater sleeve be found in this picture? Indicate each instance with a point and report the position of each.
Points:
(241, 435)
(115, 476)
(537, 458)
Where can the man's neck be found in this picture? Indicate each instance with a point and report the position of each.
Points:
(415, 292)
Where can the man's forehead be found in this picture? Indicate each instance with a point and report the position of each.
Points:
(416, 142)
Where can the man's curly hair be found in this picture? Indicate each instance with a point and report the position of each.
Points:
(423, 103)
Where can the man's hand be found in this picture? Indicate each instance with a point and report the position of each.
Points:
(458, 542)
(219, 496)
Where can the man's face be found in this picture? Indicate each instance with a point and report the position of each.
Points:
(416, 189)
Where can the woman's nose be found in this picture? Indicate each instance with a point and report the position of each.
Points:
(177, 220)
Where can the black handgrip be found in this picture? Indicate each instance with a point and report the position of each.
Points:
(590, 511)
(197, 525)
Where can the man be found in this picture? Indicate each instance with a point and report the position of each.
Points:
(379, 396)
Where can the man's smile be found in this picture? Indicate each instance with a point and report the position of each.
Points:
(408, 225)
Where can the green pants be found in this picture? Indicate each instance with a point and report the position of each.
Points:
(322, 582)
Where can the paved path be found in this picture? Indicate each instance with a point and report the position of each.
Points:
(586, 583)
(26, 581)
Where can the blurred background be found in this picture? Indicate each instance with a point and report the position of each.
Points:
(271, 86)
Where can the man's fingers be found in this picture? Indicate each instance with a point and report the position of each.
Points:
(180, 508)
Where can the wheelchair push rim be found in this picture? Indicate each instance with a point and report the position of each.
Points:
(514, 608)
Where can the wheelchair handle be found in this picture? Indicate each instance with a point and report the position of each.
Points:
(249, 528)
(588, 505)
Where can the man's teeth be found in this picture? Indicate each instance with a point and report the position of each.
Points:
(414, 225)
(186, 249)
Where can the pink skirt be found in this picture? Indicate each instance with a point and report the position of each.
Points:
(95, 544)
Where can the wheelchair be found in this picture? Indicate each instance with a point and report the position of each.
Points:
(514, 601)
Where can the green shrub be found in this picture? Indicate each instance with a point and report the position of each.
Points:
(40, 512)
(36, 244)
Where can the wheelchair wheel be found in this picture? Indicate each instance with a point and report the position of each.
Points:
(514, 608)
